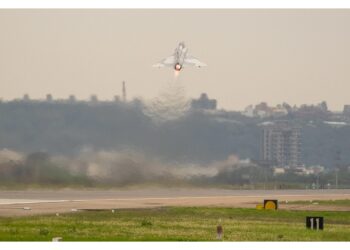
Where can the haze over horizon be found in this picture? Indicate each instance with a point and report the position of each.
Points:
(293, 56)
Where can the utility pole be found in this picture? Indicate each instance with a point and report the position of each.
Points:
(124, 92)
(336, 178)
(337, 166)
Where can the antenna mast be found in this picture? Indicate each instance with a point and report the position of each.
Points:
(124, 92)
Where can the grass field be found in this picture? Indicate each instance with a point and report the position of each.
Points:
(176, 224)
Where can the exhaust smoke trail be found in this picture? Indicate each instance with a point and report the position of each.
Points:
(123, 167)
(171, 104)
(110, 167)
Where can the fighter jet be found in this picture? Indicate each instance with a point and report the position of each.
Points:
(179, 59)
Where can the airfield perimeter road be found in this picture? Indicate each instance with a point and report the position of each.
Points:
(12, 203)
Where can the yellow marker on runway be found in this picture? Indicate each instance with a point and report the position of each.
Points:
(271, 204)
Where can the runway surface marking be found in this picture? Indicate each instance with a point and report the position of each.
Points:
(28, 201)
(219, 197)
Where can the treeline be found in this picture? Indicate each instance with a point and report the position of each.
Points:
(66, 128)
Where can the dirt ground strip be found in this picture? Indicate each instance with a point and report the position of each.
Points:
(22, 203)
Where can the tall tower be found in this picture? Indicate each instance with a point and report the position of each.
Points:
(124, 92)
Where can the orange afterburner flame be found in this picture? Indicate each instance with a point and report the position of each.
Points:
(178, 67)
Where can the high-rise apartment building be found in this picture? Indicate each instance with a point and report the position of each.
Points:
(281, 145)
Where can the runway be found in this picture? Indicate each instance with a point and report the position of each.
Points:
(12, 203)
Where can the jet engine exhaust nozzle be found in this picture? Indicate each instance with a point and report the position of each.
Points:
(178, 67)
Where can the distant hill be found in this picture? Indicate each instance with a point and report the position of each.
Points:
(65, 128)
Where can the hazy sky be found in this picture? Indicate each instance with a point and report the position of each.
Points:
(297, 56)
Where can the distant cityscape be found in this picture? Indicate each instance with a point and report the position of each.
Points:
(204, 103)
(261, 110)
(280, 142)
(303, 141)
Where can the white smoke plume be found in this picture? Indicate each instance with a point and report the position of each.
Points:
(112, 167)
(7, 155)
(130, 166)
(171, 104)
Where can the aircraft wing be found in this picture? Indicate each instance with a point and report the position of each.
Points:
(192, 61)
(169, 61)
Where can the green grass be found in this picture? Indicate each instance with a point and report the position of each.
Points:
(323, 202)
(176, 224)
